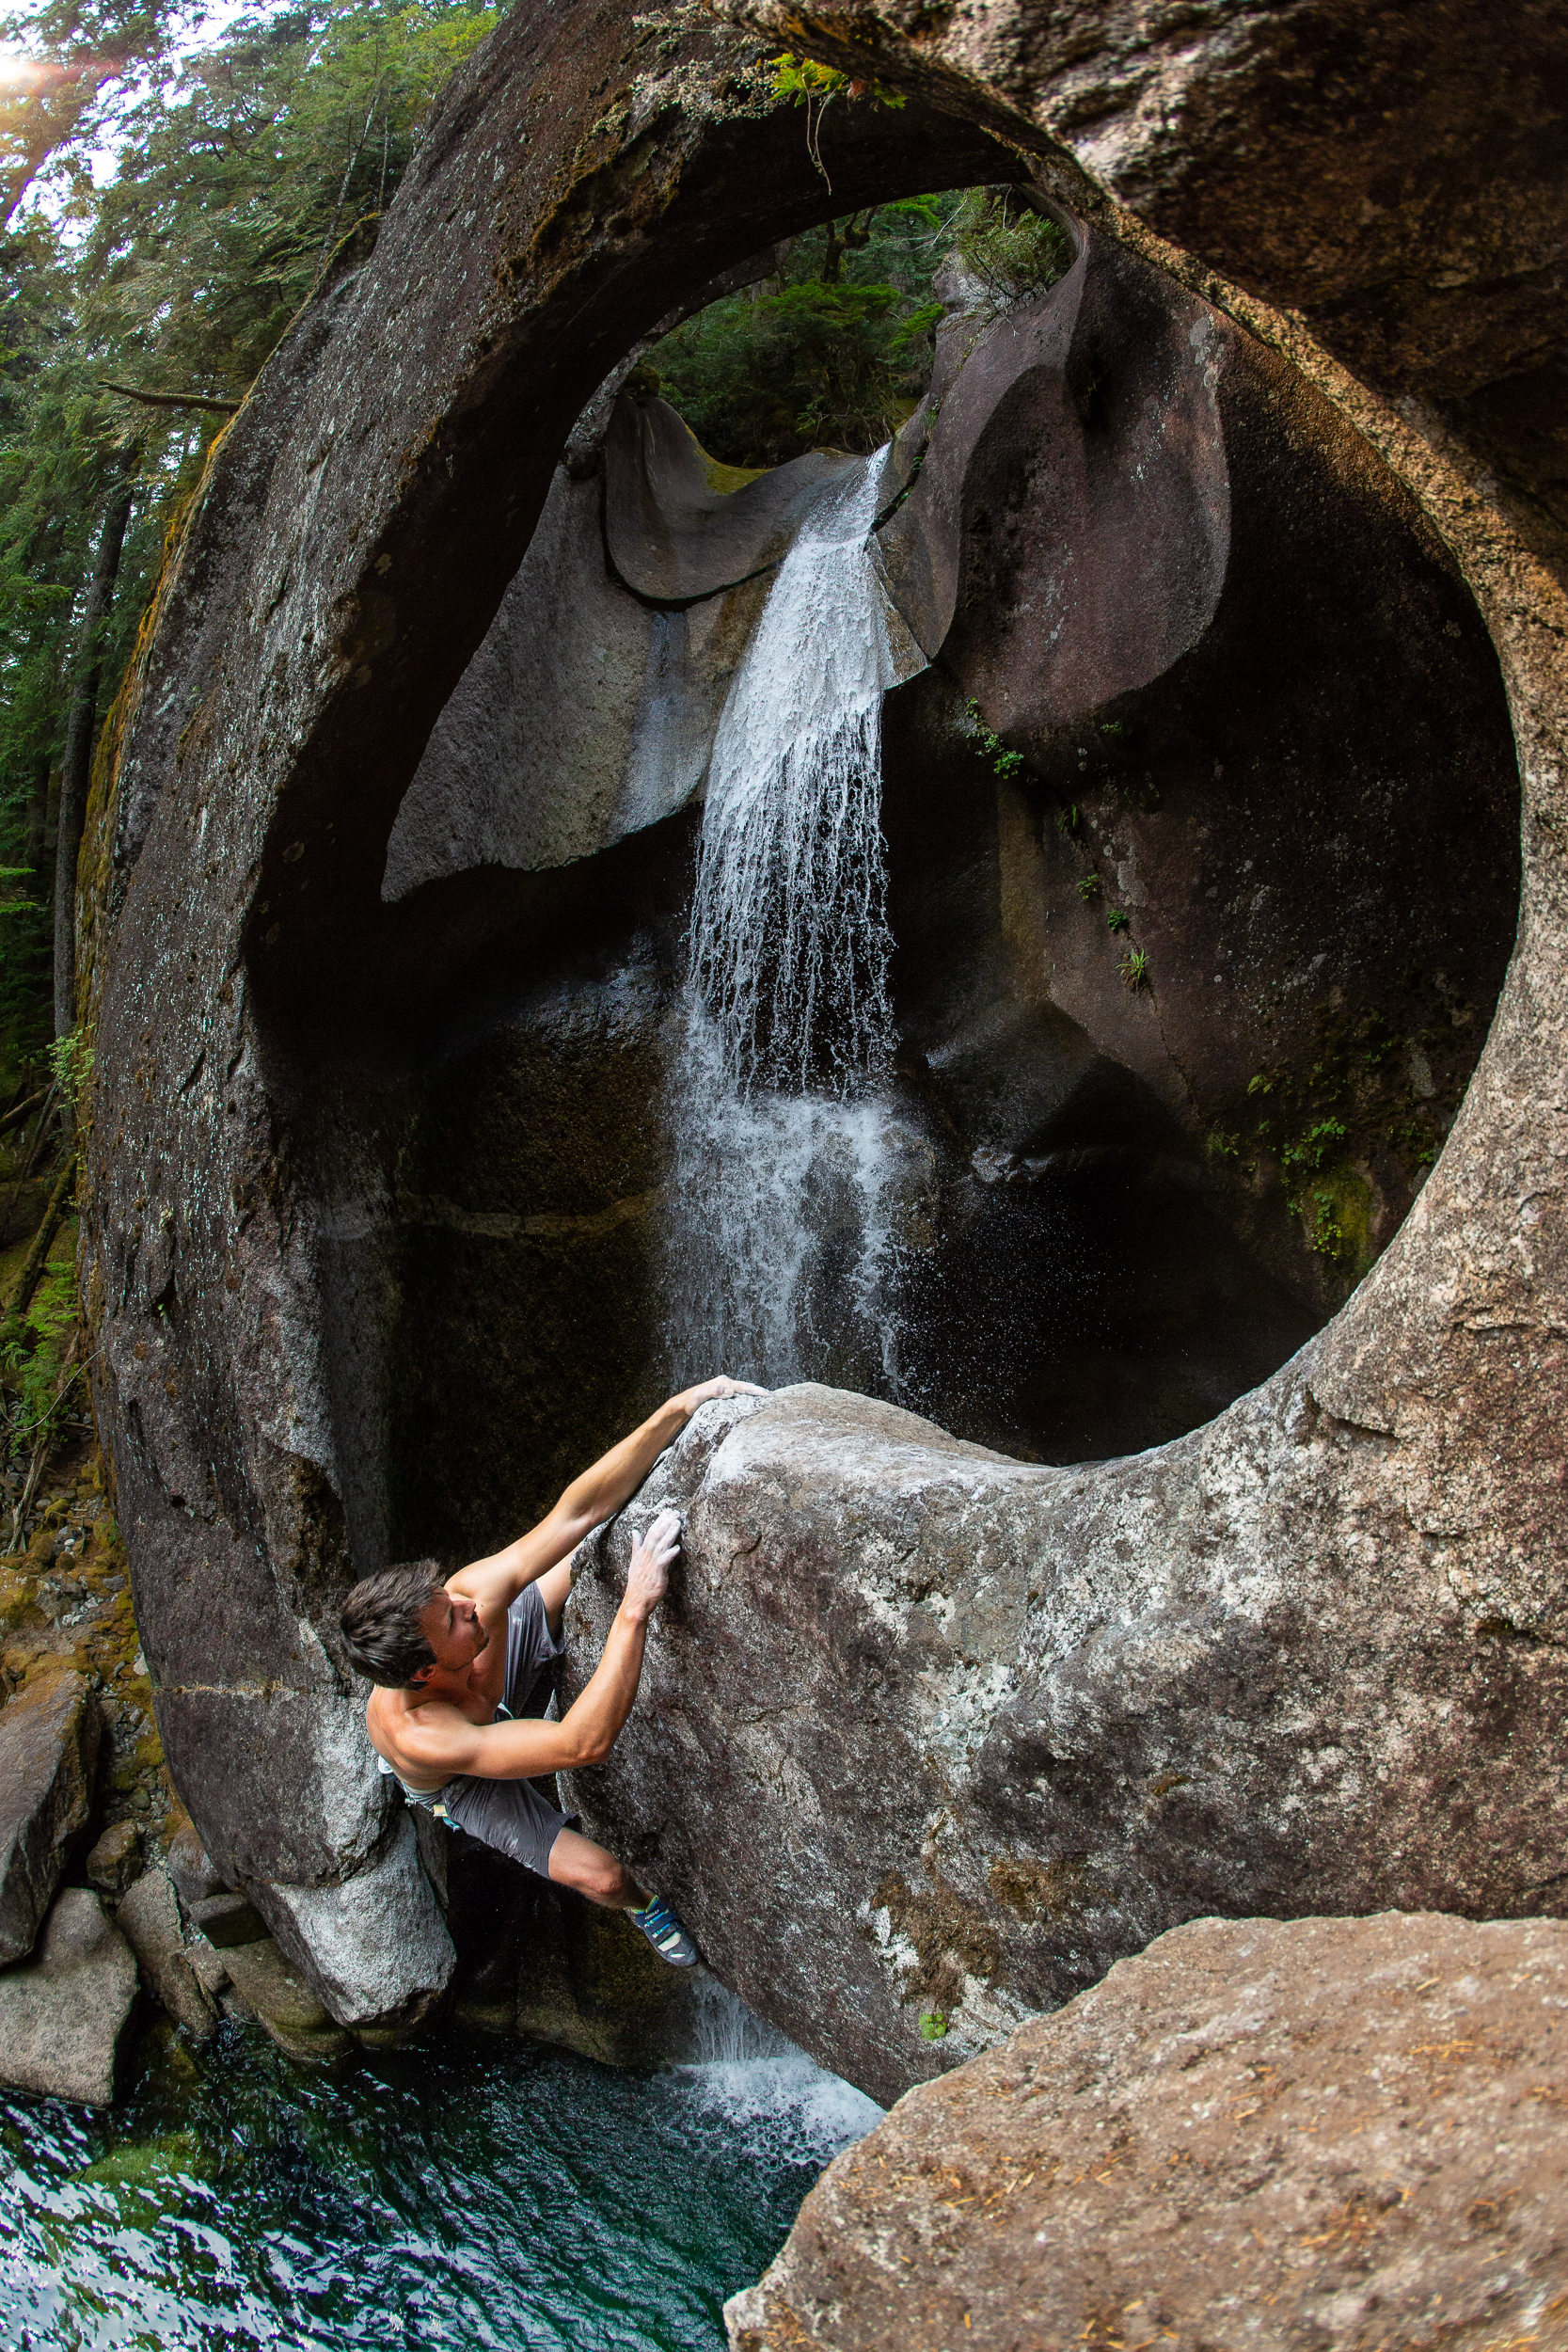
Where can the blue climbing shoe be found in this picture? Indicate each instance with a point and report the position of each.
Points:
(666, 1934)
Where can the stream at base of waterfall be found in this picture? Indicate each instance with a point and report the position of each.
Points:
(472, 2192)
(791, 1176)
(480, 2191)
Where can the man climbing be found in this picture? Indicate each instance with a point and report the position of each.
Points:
(463, 1666)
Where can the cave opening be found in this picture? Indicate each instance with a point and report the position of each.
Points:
(1198, 804)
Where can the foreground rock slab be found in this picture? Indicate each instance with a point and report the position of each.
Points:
(1317, 2132)
(62, 2013)
(48, 1748)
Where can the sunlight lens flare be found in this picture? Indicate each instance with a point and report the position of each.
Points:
(20, 72)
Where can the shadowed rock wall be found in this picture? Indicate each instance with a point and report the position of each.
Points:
(1253, 718)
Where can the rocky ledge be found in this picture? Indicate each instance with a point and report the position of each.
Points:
(1322, 2132)
(928, 1738)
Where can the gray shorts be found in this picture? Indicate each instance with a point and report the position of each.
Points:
(514, 1815)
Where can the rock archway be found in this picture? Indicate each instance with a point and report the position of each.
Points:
(1379, 1518)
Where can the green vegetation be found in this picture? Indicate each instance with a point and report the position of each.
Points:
(32, 1357)
(1304, 1156)
(239, 168)
(1010, 248)
(1088, 887)
(835, 352)
(70, 1060)
(1119, 919)
(933, 2025)
(1133, 968)
(1003, 763)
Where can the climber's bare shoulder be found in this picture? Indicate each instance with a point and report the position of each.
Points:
(427, 1739)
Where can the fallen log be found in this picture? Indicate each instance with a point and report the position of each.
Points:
(27, 1281)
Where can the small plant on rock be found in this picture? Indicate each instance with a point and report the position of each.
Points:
(1304, 1156)
(1119, 920)
(1134, 968)
(1329, 1238)
(1089, 887)
(1004, 762)
(933, 2025)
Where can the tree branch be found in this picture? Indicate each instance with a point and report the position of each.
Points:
(172, 400)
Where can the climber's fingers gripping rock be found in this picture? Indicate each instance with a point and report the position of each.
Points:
(648, 1576)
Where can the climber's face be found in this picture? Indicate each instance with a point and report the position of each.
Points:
(454, 1629)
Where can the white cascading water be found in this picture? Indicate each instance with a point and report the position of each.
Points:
(754, 2081)
(787, 1167)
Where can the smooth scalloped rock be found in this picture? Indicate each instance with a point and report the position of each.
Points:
(1282, 2136)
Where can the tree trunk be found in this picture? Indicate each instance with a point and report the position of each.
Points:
(37, 824)
(77, 764)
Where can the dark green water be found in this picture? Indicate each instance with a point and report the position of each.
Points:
(477, 2193)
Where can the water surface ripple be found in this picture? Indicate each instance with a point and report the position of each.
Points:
(474, 2193)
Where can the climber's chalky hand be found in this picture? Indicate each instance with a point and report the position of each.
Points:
(720, 1385)
(648, 1575)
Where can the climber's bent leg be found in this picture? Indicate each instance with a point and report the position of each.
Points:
(576, 1862)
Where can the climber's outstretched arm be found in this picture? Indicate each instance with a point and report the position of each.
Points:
(589, 1500)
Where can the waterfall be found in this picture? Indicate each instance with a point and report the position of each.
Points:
(765, 2092)
(789, 1168)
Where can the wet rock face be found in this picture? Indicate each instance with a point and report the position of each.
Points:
(929, 1738)
(1277, 2133)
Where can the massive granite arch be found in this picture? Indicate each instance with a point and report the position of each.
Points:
(352, 540)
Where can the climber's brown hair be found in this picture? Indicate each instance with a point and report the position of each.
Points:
(380, 1622)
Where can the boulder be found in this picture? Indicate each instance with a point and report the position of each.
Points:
(375, 1947)
(281, 1997)
(928, 1739)
(190, 1867)
(148, 1919)
(181, 1990)
(1294, 2134)
(64, 2011)
(112, 1862)
(48, 1734)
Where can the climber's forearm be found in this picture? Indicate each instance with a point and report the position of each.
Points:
(585, 1734)
(587, 1501)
